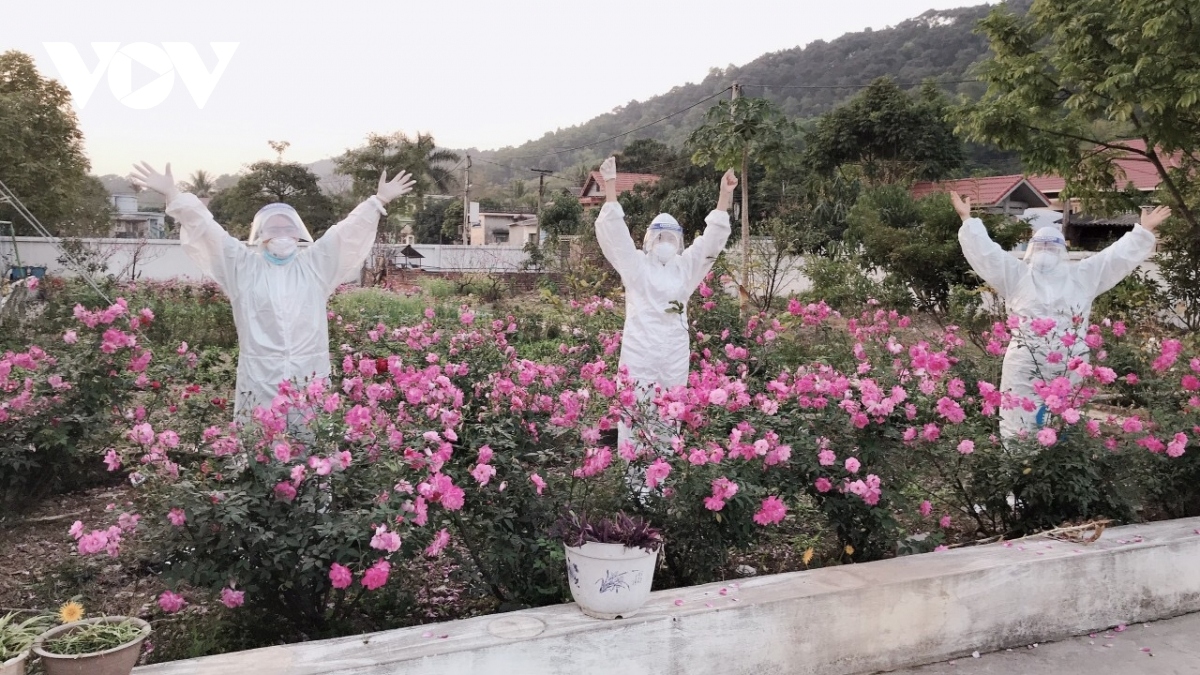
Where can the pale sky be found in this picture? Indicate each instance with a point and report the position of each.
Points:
(476, 73)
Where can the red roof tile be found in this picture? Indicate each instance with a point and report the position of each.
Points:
(625, 181)
(1131, 169)
(982, 191)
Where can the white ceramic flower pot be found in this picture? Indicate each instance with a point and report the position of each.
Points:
(609, 581)
(15, 665)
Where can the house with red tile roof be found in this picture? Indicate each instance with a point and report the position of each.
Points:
(1004, 194)
(593, 189)
(994, 194)
(1132, 169)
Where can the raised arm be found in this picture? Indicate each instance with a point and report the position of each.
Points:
(990, 261)
(611, 231)
(205, 242)
(698, 258)
(1108, 267)
(339, 253)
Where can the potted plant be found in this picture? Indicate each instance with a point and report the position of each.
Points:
(16, 637)
(610, 562)
(108, 645)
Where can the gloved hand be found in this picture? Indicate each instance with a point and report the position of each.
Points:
(961, 206)
(608, 169)
(729, 181)
(1152, 220)
(145, 176)
(399, 186)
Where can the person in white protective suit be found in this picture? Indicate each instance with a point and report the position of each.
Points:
(1047, 286)
(278, 292)
(659, 279)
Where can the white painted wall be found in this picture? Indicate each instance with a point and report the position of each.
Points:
(156, 258)
(165, 259)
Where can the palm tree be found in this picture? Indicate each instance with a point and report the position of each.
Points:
(201, 184)
(397, 152)
(429, 162)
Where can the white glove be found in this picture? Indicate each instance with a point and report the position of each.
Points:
(608, 169)
(145, 176)
(399, 186)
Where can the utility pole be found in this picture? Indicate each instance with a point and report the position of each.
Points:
(541, 200)
(744, 185)
(467, 205)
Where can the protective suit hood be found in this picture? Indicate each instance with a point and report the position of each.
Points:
(664, 238)
(277, 220)
(1047, 251)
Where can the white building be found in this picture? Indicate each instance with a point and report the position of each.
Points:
(503, 228)
(130, 223)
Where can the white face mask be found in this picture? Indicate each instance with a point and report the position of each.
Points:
(282, 247)
(1044, 261)
(663, 251)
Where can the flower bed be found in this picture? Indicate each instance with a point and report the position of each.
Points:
(466, 432)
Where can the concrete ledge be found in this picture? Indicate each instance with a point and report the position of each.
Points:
(838, 620)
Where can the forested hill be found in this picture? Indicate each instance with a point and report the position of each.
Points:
(936, 44)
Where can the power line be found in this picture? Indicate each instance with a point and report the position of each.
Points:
(850, 86)
(517, 168)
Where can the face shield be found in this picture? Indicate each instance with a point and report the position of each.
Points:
(664, 238)
(1047, 250)
(277, 220)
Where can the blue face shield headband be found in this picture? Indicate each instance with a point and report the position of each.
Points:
(275, 260)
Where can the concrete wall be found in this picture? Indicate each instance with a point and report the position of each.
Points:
(165, 259)
(463, 258)
(155, 258)
(833, 621)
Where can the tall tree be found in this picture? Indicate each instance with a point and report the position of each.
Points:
(41, 154)
(888, 135)
(429, 218)
(735, 133)
(562, 215)
(268, 182)
(915, 241)
(690, 205)
(200, 184)
(1076, 85)
(646, 155)
(420, 156)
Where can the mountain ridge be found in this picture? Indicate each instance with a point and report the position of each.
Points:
(805, 81)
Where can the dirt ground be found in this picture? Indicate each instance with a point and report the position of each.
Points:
(40, 568)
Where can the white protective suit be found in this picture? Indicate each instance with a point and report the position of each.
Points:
(1046, 285)
(655, 346)
(279, 309)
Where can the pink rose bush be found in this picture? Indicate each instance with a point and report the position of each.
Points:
(463, 434)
